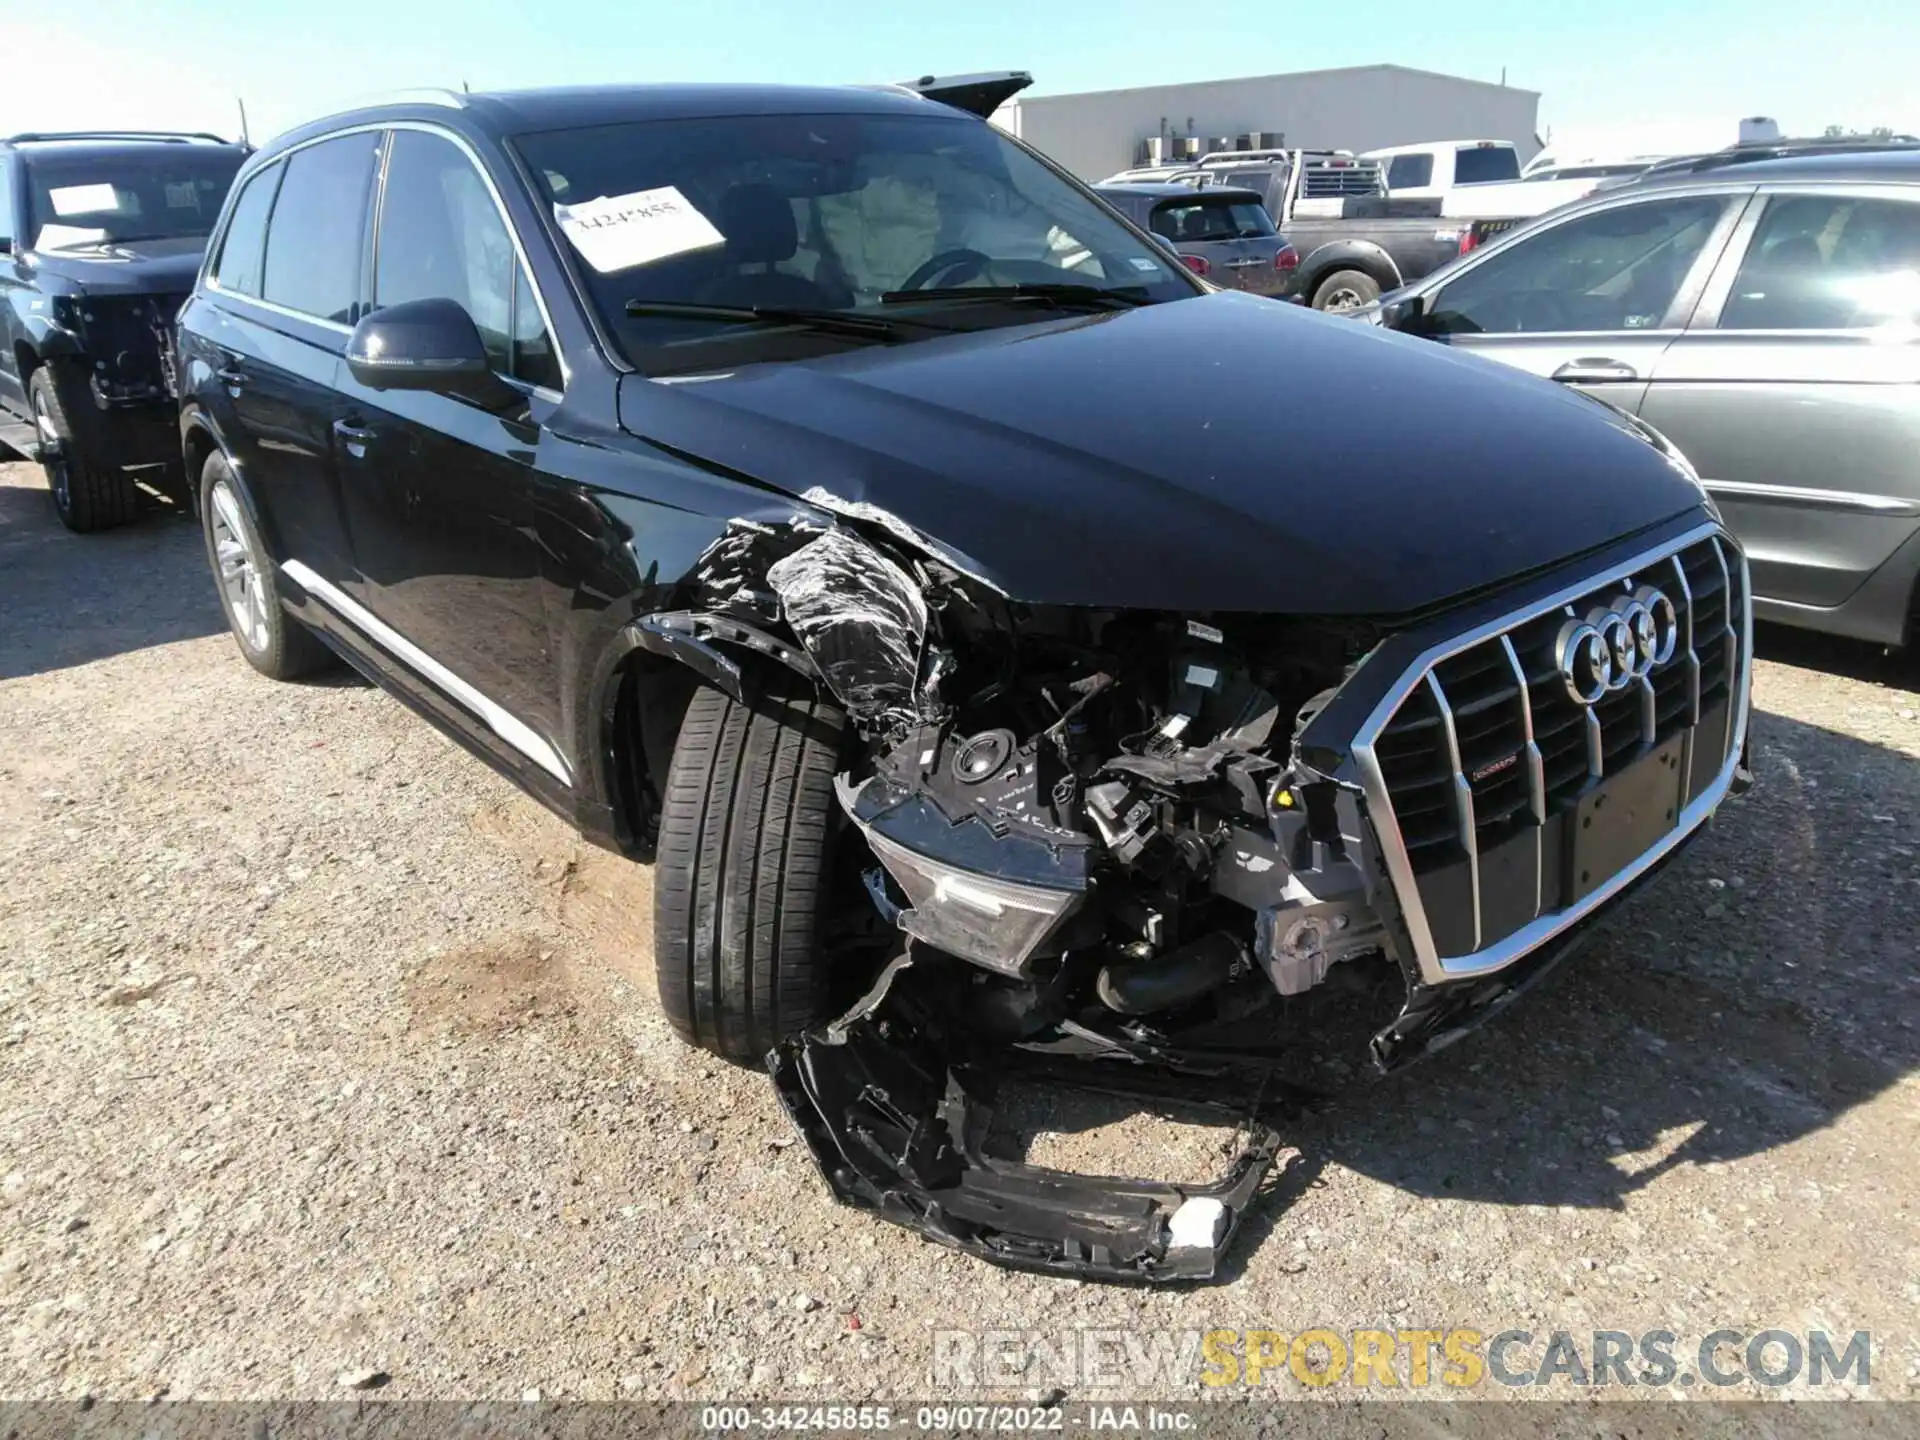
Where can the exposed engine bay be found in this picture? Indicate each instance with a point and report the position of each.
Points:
(1092, 838)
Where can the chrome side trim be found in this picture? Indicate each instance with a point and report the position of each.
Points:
(1436, 970)
(509, 728)
(1852, 502)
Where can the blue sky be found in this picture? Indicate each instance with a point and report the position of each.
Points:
(179, 62)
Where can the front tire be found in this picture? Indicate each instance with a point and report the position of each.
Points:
(1346, 290)
(273, 642)
(743, 865)
(86, 496)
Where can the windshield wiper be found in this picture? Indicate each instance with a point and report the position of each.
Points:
(828, 322)
(1098, 296)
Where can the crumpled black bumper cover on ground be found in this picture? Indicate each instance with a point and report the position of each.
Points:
(895, 1100)
(896, 1115)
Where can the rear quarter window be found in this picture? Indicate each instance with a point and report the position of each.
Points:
(243, 248)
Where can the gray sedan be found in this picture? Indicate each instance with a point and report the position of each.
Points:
(1223, 235)
(1762, 313)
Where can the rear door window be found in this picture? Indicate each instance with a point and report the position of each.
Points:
(243, 248)
(314, 239)
(1828, 262)
(1482, 165)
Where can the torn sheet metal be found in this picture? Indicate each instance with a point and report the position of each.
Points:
(824, 499)
(860, 616)
(895, 1107)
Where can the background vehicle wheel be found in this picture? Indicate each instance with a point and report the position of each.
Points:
(1346, 290)
(742, 871)
(275, 644)
(86, 496)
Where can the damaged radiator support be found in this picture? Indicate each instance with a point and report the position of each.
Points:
(895, 1104)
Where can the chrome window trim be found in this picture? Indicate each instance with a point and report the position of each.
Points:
(509, 727)
(214, 287)
(1434, 968)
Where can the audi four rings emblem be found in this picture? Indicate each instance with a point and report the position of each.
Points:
(1619, 646)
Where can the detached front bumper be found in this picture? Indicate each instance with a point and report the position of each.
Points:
(895, 1109)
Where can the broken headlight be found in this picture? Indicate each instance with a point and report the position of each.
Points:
(992, 922)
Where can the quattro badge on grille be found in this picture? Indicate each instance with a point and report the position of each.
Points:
(1619, 646)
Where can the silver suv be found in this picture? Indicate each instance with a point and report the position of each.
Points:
(1761, 311)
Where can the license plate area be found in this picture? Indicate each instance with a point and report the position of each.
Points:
(1622, 818)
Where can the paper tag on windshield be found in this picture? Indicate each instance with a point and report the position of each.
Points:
(82, 199)
(618, 232)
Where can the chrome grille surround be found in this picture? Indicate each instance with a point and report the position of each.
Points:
(1419, 685)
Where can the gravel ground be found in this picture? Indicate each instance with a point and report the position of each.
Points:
(323, 1053)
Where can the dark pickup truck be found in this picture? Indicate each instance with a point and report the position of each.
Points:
(1355, 242)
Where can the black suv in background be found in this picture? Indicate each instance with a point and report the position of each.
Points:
(100, 238)
(806, 487)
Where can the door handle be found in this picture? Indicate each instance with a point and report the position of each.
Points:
(231, 376)
(1595, 370)
(354, 437)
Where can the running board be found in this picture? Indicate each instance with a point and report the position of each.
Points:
(22, 438)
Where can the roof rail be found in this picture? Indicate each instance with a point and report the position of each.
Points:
(169, 137)
(410, 95)
(1784, 150)
(421, 95)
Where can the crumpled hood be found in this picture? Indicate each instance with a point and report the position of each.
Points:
(132, 267)
(1222, 453)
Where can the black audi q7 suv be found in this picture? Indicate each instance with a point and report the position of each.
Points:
(820, 493)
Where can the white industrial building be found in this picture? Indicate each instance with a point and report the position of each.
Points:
(1363, 107)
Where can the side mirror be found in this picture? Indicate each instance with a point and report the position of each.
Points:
(1406, 313)
(6, 245)
(427, 345)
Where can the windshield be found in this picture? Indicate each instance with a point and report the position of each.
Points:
(826, 213)
(160, 193)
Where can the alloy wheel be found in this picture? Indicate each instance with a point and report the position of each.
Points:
(242, 586)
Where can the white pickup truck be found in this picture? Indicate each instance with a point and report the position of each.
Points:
(1433, 169)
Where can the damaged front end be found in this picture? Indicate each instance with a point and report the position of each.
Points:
(1123, 840)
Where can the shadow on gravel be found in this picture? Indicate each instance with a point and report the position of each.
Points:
(1834, 655)
(72, 599)
(1707, 1022)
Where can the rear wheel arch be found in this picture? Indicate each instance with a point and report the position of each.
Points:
(1369, 260)
(197, 445)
